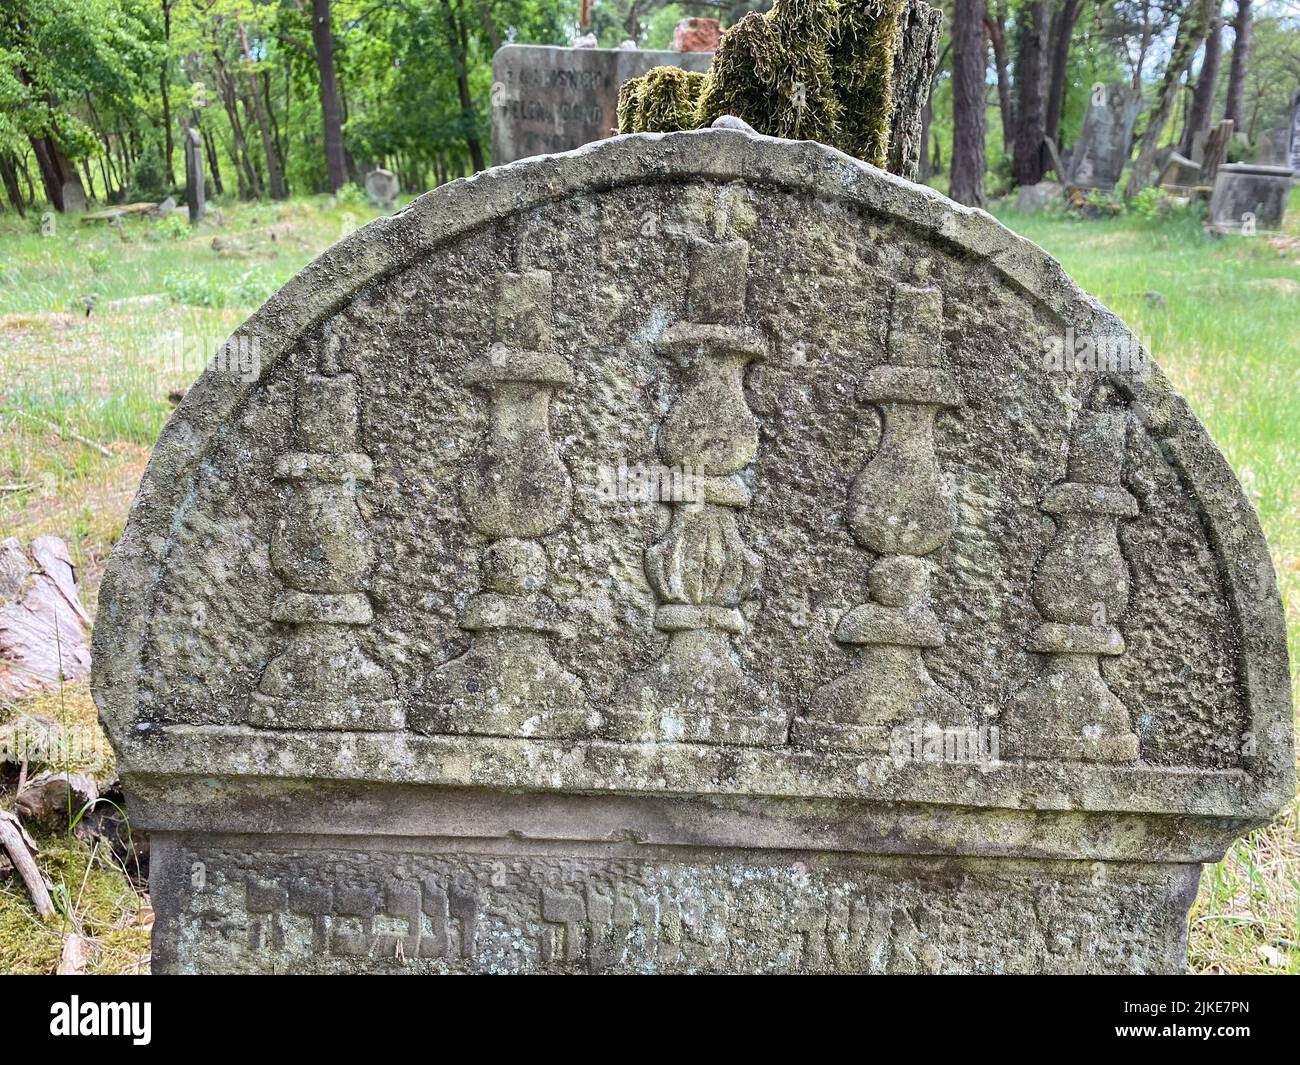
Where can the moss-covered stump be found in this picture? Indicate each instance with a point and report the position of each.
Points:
(850, 73)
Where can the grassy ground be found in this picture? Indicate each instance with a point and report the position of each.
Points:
(83, 397)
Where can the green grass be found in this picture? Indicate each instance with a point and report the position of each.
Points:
(1222, 317)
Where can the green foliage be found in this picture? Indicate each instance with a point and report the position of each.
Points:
(148, 180)
(197, 289)
(664, 100)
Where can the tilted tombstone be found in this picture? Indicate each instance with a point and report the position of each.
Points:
(547, 99)
(382, 187)
(698, 552)
(1102, 149)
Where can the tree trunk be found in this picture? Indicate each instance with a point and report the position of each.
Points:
(244, 171)
(169, 145)
(1192, 28)
(1143, 47)
(9, 175)
(913, 79)
(969, 61)
(1028, 164)
(1201, 113)
(331, 113)
(274, 175)
(1064, 19)
(996, 26)
(1241, 27)
(210, 149)
(456, 38)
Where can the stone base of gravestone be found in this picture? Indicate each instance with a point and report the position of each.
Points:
(547, 100)
(1249, 197)
(1039, 197)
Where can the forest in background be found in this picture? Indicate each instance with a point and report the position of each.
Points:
(294, 97)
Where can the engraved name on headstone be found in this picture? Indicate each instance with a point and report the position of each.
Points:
(962, 653)
(547, 99)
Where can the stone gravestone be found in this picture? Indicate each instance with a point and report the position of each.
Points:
(698, 552)
(196, 201)
(1249, 197)
(1293, 153)
(1102, 150)
(547, 99)
(382, 187)
(74, 196)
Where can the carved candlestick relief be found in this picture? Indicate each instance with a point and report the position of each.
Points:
(702, 571)
(516, 491)
(1080, 588)
(897, 508)
(320, 550)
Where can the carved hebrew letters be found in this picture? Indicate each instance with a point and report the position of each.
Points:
(1080, 588)
(897, 508)
(320, 549)
(516, 491)
(702, 571)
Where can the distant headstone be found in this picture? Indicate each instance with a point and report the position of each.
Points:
(697, 35)
(1294, 138)
(1102, 149)
(548, 99)
(74, 196)
(1039, 197)
(503, 619)
(1249, 197)
(382, 187)
(196, 201)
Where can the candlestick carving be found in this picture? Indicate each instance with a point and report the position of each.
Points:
(1080, 588)
(702, 571)
(897, 507)
(516, 491)
(324, 679)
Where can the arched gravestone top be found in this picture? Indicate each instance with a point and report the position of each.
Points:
(396, 585)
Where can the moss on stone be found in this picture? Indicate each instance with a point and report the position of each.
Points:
(807, 70)
(663, 100)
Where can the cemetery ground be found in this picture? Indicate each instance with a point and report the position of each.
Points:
(99, 325)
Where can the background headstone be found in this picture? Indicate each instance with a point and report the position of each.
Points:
(548, 99)
(74, 196)
(1294, 150)
(1249, 197)
(948, 642)
(1102, 149)
(196, 201)
(382, 187)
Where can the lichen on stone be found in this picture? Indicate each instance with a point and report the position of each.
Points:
(663, 100)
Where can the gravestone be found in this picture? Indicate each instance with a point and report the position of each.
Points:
(382, 187)
(1180, 174)
(1249, 197)
(694, 552)
(547, 99)
(196, 200)
(1102, 149)
(1293, 141)
(74, 196)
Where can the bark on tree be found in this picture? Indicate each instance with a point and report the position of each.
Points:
(1064, 18)
(913, 77)
(969, 55)
(1241, 27)
(458, 40)
(274, 174)
(1201, 112)
(1029, 163)
(9, 174)
(995, 24)
(332, 114)
(169, 145)
(1192, 28)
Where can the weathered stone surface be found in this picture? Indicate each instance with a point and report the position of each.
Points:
(547, 99)
(1249, 197)
(1040, 196)
(1099, 155)
(693, 552)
